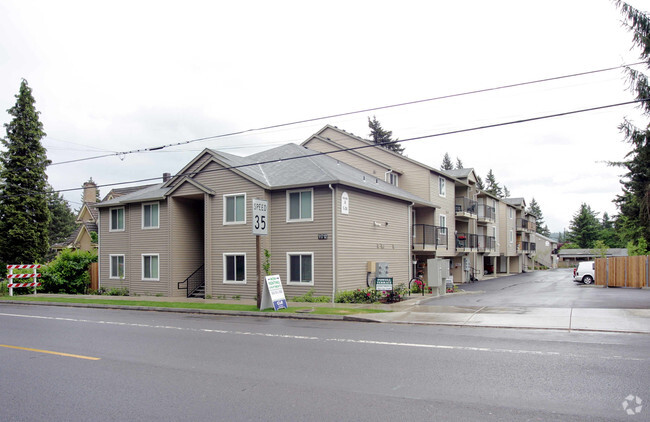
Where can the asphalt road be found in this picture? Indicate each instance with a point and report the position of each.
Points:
(545, 289)
(169, 367)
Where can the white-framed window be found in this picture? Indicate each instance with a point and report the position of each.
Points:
(442, 189)
(116, 263)
(234, 268)
(511, 236)
(510, 213)
(300, 205)
(392, 178)
(234, 208)
(150, 215)
(300, 268)
(116, 220)
(442, 218)
(151, 267)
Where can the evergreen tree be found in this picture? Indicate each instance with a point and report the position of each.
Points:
(24, 214)
(506, 192)
(535, 209)
(479, 183)
(634, 203)
(491, 185)
(383, 137)
(63, 219)
(584, 228)
(446, 163)
(459, 164)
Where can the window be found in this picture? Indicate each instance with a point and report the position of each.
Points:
(443, 220)
(117, 219)
(117, 266)
(391, 178)
(150, 265)
(511, 237)
(234, 209)
(150, 214)
(234, 266)
(441, 186)
(510, 213)
(300, 267)
(300, 205)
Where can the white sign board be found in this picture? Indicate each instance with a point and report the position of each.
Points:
(273, 293)
(345, 203)
(260, 217)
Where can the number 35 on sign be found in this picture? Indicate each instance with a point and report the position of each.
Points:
(260, 217)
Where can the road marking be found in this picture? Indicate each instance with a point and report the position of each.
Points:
(49, 352)
(339, 340)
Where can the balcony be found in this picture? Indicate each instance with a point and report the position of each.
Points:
(466, 208)
(429, 238)
(486, 243)
(522, 225)
(466, 242)
(486, 214)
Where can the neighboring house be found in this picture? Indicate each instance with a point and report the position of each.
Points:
(571, 257)
(546, 251)
(85, 235)
(327, 221)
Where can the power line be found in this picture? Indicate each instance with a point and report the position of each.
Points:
(435, 135)
(443, 97)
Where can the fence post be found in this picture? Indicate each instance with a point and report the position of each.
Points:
(11, 289)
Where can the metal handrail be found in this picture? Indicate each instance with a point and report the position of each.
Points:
(194, 281)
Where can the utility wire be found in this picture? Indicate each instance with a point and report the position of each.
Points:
(435, 135)
(443, 97)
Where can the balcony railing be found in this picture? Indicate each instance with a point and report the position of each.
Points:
(428, 236)
(486, 213)
(486, 243)
(466, 207)
(466, 241)
(526, 225)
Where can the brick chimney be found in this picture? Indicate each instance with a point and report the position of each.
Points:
(90, 192)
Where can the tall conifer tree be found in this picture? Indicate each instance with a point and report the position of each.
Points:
(24, 214)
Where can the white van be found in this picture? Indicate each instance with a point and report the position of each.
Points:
(584, 272)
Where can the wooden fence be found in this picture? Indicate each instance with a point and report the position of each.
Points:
(94, 275)
(625, 271)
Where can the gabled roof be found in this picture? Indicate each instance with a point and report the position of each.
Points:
(117, 192)
(372, 144)
(517, 202)
(145, 193)
(460, 173)
(87, 207)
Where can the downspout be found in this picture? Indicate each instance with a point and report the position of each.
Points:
(410, 232)
(99, 250)
(333, 242)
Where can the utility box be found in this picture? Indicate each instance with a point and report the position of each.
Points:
(382, 269)
(437, 275)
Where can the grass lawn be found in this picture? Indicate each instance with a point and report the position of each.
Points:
(193, 305)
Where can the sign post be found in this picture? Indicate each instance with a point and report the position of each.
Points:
(260, 228)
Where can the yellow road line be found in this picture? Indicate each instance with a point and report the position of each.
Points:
(49, 352)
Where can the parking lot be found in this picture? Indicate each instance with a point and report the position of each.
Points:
(545, 289)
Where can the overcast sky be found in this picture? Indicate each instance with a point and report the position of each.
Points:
(123, 75)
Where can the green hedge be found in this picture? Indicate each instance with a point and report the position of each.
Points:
(68, 272)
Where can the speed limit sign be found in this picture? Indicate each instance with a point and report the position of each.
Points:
(260, 217)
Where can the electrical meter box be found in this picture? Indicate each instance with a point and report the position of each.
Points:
(382, 269)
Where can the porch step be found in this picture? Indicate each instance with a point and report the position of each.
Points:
(199, 292)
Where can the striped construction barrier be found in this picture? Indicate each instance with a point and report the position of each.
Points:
(11, 275)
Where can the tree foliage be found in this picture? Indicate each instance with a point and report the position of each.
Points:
(446, 163)
(383, 137)
(24, 213)
(459, 164)
(63, 219)
(584, 227)
(68, 272)
(634, 202)
(492, 186)
(479, 183)
(536, 210)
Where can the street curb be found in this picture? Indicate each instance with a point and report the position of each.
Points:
(185, 310)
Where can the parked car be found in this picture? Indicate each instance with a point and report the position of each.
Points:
(584, 272)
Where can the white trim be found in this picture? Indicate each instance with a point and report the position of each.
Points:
(288, 196)
(233, 195)
(298, 283)
(442, 217)
(142, 264)
(225, 255)
(110, 266)
(110, 219)
(144, 204)
(511, 236)
(442, 186)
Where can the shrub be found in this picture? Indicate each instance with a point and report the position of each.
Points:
(309, 297)
(367, 295)
(68, 272)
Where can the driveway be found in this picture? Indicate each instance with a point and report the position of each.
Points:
(544, 289)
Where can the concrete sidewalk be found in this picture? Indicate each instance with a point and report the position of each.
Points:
(410, 311)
